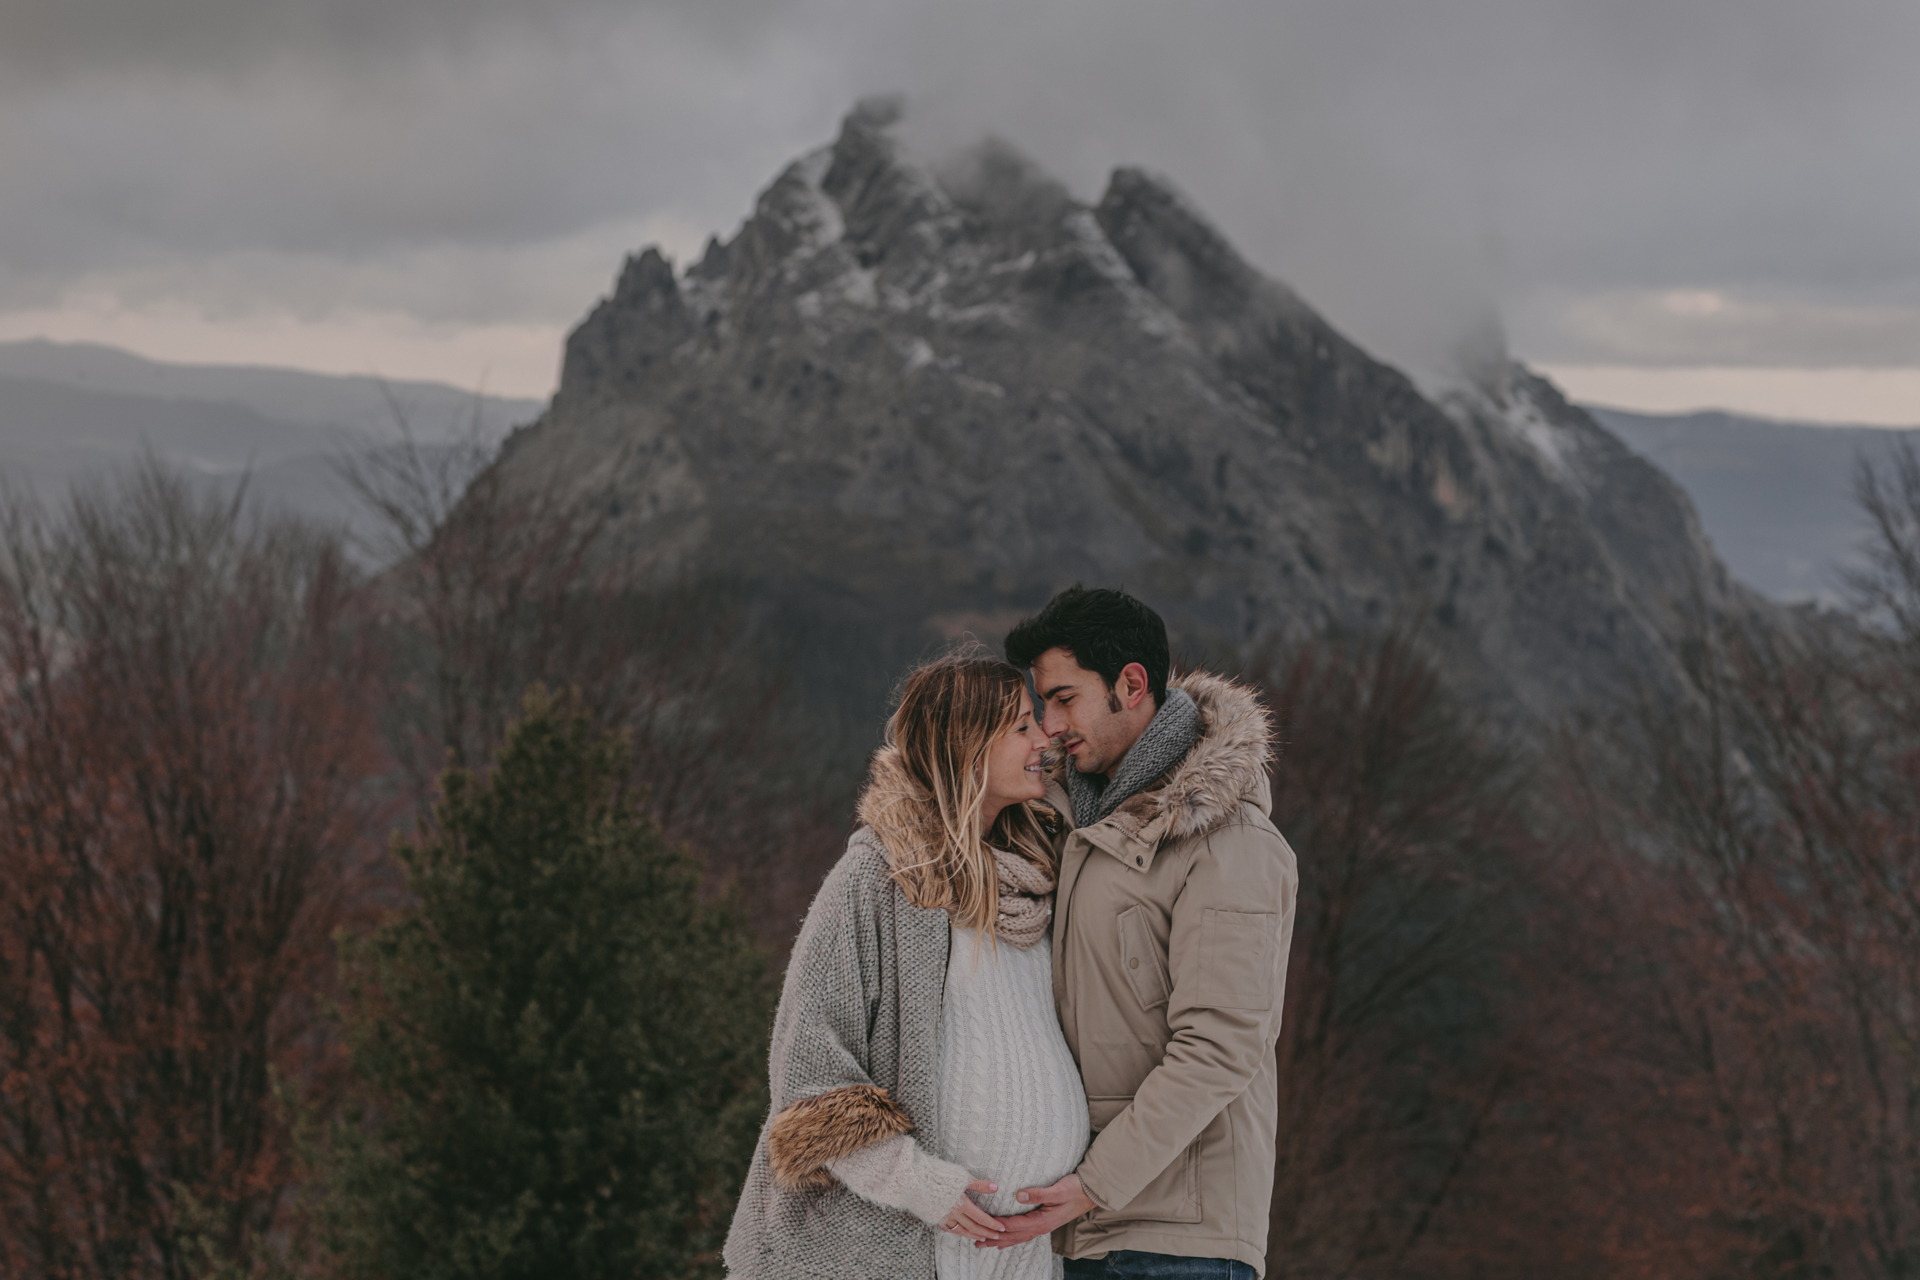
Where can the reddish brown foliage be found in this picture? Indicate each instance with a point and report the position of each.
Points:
(1402, 816)
(184, 756)
(1719, 1062)
(1674, 1038)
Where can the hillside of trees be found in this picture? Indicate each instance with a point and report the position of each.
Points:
(428, 923)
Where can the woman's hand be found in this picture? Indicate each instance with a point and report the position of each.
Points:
(970, 1220)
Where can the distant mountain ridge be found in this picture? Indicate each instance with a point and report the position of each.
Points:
(72, 410)
(909, 398)
(1776, 498)
(344, 402)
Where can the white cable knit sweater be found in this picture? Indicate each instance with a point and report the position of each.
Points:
(1012, 1108)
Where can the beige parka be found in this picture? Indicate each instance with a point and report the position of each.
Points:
(1171, 932)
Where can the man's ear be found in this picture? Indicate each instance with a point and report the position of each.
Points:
(1132, 685)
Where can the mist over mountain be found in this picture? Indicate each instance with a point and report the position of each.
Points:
(911, 398)
(1776, 498)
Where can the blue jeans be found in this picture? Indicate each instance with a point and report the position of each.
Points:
(1130, 1264)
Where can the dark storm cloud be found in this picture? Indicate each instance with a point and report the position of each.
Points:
(61, 37)
(1392, 156)
(1625, 179)
(334, 124)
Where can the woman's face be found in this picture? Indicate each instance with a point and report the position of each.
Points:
(1014, 772)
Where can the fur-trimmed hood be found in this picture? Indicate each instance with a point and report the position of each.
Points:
(1228, 764)
(900, 810)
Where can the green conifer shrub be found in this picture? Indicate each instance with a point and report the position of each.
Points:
(558, 1055)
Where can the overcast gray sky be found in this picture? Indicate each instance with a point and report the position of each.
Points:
(1668, 202)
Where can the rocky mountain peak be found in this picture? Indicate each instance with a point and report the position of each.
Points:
(915, 390)
(1176, 253)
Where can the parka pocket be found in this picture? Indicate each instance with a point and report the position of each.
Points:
(1145, 966)
(1172, 1196)
(1239, 967)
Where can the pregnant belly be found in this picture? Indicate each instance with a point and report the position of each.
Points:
(1021, 1125)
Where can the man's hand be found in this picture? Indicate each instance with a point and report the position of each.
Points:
(1059, 1204)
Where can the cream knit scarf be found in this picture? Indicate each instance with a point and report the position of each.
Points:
(1026, 900)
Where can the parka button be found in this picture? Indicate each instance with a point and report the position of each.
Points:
(1139, 862)
(1133, 962)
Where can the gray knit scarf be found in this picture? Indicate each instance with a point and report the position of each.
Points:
(1168, 737)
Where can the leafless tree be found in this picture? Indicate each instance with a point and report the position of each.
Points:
(501, 580)
(1403, 813)
(1888, 588)
(185, 743)
(1742, 895)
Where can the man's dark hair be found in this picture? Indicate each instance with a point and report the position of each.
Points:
(1104, 630)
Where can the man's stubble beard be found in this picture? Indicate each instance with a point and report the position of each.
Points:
(1104, 767)
(1113, 707)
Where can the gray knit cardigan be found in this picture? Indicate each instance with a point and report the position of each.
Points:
(856, 1047)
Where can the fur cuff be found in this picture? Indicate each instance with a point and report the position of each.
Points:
(827, 1126)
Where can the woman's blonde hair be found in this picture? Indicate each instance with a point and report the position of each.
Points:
(924, 794)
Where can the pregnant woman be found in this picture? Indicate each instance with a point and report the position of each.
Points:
(919, 1077)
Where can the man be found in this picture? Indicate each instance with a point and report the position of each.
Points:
(1172, 924)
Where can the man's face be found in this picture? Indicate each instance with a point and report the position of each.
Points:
(1080, 711)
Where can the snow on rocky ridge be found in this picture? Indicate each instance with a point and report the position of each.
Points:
(907, 391)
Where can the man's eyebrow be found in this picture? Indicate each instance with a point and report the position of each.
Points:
(1056, 689)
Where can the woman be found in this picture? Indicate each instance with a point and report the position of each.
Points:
(919, 1077)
